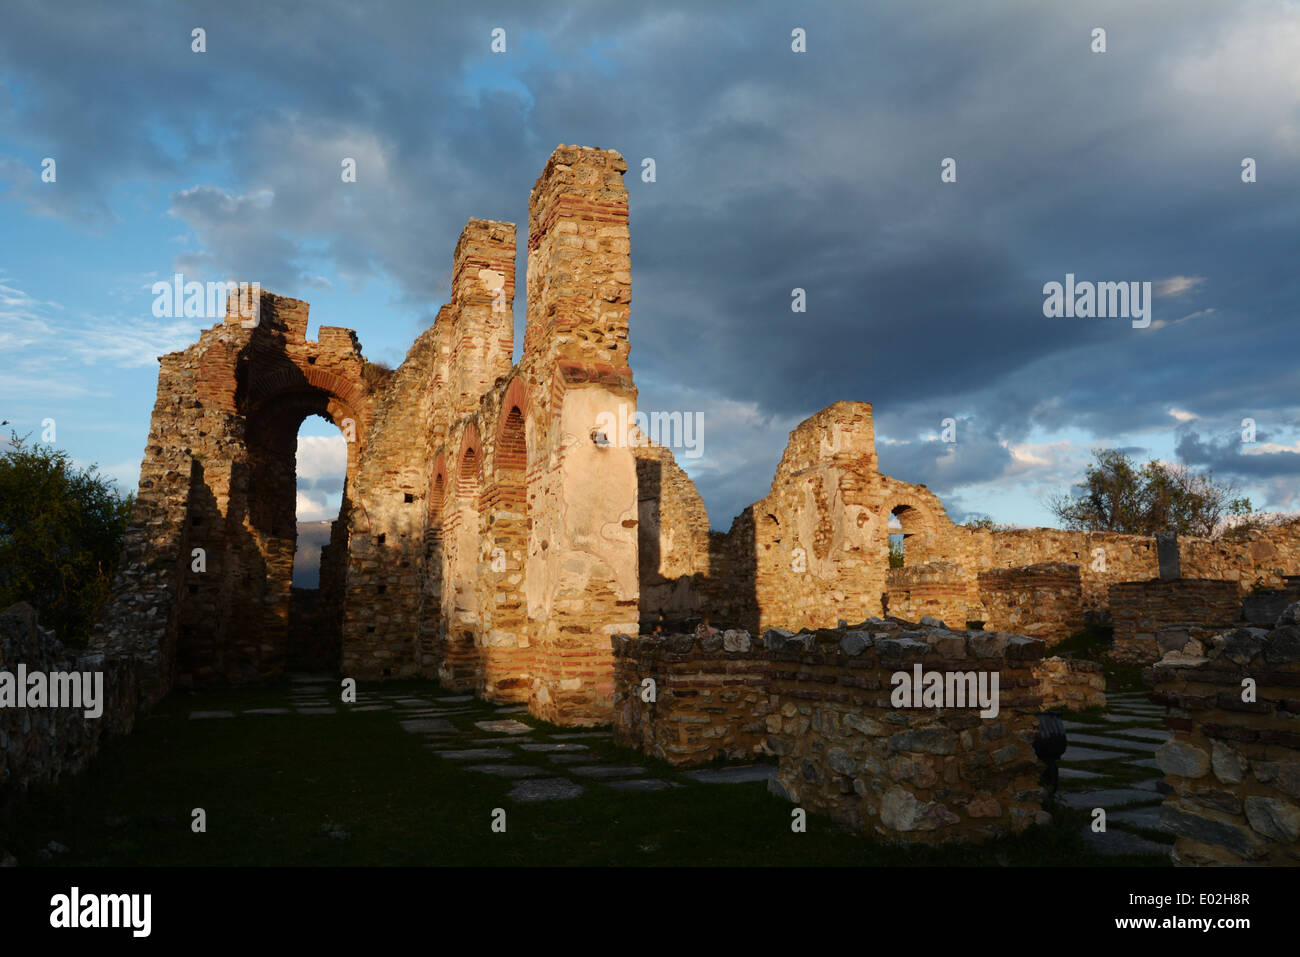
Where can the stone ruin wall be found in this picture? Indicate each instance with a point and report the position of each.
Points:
(1233, 764)
(820, 701)
(938, 589)
(484, 536)
(714, 696)
(1071, 684)
(42, 746)
(489, 537)
(1149, 615)
(218, 475)
(1043, 601)
(815, 551)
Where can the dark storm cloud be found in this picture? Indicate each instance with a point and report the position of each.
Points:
(1229, 455)
(774, 171)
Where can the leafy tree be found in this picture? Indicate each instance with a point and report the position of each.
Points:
(61, 532)
(1117, 495)
(985, 522)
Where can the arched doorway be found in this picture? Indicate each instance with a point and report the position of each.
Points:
(320, 552)
(301, 628)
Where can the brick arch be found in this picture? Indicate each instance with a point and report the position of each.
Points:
(437, 495)
(922, 514)
(469, 460)
(515, 397)
(919, 523)
(510, 450)
(345, 396)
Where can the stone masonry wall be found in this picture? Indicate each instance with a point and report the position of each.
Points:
(492, 536)
(1043, 600)
(940, 589)
(672, 539)
(1233, 764)
(1141, 611)
(821, 701)
(1070, 684)
(40, 746)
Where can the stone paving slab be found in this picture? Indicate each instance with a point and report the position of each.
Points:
(496, 741)
(1147, 817)
(1108, 741)
(505, 726)
(582, 735)
(455, 699)
(1107, 798)
(1144, 763)
(428, 726)
(372, 707)
(1123, 718)
(641, 784)
(609, 771)
(1074, 774)
(1150, 734)
(318, 710)
(545, 789)
(267, 711)
(201, 715)
(513, 709)
(553, 746)
(472, 754)
(413, 702)
(1074, 754)
(736, 775)
(507, 770)
(569, 758)
(1150, 784)
(1122, 842)
(1145, 747)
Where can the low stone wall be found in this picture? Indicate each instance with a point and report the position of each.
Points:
(1043, 601)
(1234, 765)
(942, 590)
(710, 692)
(1070, 684)
(821, 701)
(1262, 606)
(1140, 610)
(42, 745)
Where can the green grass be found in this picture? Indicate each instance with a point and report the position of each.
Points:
(271, 786)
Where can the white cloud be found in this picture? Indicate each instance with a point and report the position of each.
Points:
(321, 456)
(1269, 448)
(1243, 77)
(49, 340)
(1176, 285)
(309, 509)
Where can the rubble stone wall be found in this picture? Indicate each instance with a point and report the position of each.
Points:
(1234, 759)
(1142, 611)
(41, 746)
(821, 702)
(1044, 600)
(1070, 684)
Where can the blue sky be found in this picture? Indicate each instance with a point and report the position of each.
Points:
(775, 170)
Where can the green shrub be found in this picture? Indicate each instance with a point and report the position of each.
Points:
(61, 531)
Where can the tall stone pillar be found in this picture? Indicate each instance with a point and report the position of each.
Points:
(581, 583)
